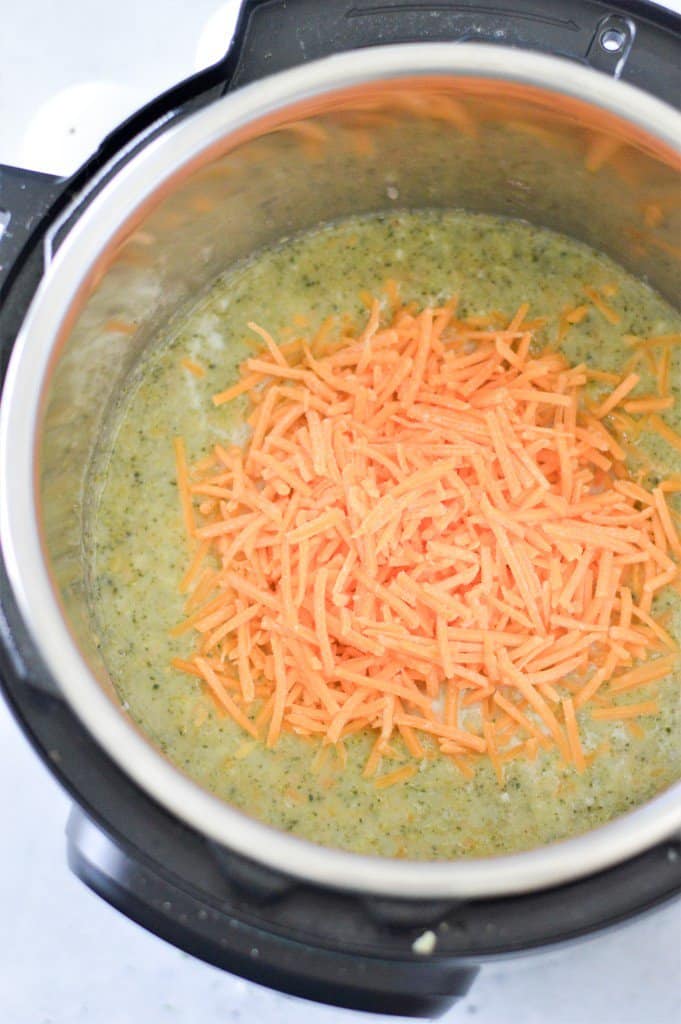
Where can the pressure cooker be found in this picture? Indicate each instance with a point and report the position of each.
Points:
(205, 174)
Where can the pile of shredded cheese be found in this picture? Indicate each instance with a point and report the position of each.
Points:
(432, 532)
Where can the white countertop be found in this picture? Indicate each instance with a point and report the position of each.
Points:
(69, 71)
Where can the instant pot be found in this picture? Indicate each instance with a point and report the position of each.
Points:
(559, 111)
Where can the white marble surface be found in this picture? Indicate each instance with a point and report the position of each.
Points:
(69, 70)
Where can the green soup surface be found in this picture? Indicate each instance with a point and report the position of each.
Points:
(139, 552)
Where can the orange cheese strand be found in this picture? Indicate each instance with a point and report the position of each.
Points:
(428, 535)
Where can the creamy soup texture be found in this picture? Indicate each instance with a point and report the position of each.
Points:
(139, 551)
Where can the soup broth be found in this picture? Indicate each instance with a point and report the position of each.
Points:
(139, 550)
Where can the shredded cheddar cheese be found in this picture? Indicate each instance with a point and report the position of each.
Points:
(432, 535)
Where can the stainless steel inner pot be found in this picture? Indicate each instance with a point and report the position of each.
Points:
(426, 125)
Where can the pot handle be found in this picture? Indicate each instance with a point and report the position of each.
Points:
(25, 198)
(627, 38)
(241, 947)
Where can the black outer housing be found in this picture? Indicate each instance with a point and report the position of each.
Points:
(334, 947)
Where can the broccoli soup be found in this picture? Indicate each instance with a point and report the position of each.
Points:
(384, 542)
